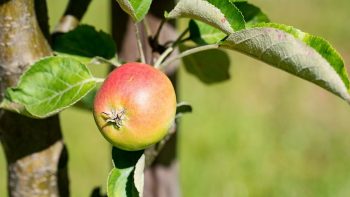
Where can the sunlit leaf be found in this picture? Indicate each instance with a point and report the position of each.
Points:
(289, 49)
(137, 9)
(49, 86)
(231, 12)
(221, 14)
(139, 177)
(126, 178)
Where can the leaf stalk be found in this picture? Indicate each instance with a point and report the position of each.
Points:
(139, 44)
(187, 53)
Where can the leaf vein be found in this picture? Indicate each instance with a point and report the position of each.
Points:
(63, 92)
(270, 47)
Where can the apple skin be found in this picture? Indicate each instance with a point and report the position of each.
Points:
(142, 102)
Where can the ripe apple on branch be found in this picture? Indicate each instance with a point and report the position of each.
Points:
(135, 106)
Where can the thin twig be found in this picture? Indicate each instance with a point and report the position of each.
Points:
(156, 37)
(188, 52)
(179, 39)
(139, 43)
(164, 55)
(169, 50)
(114, 62)
(147, 27)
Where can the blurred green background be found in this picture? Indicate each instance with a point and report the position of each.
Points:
(263, 133)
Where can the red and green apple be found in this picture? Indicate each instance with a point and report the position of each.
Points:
(135, 106)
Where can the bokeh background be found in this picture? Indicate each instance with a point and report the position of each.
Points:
(263, 133)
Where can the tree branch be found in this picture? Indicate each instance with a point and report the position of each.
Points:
(34, 149)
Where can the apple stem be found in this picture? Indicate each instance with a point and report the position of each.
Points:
(164, 55)
(98, 60)
(139, 44)
(187, 53)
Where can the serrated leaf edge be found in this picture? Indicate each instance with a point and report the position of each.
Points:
(342, 94)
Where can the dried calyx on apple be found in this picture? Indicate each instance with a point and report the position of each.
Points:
(135, 106)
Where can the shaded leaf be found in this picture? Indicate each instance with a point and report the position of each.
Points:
(137, 9)
(96, 192)
(252, 14)
(202, 34)
(85, 42)
(50, 85)
(126, 177)
(87, 102)
(211, 66)
(298, 53)
(221, 14)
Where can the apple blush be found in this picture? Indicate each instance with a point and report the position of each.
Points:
(135, 106)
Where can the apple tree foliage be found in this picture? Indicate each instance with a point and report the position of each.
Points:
(55, 83)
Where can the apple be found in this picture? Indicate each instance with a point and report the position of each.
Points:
(135, 106)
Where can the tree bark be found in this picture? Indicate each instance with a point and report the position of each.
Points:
(34, 149)
(161, 178)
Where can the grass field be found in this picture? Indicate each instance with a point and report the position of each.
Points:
(263, 133)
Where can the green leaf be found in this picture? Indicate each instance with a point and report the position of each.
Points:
(49, 86)
(139, 177)
(306, 56)
(252, 14)
(87, 102)
(203, 34)
(85, 42)
(231, 12)
(7, 104)
(137, 9)
(221, 14)
(211, 66)
(120, 183)
(322, 46)
(126, 178)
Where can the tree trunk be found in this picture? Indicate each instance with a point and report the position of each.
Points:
(161, 178)
(34, 149)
